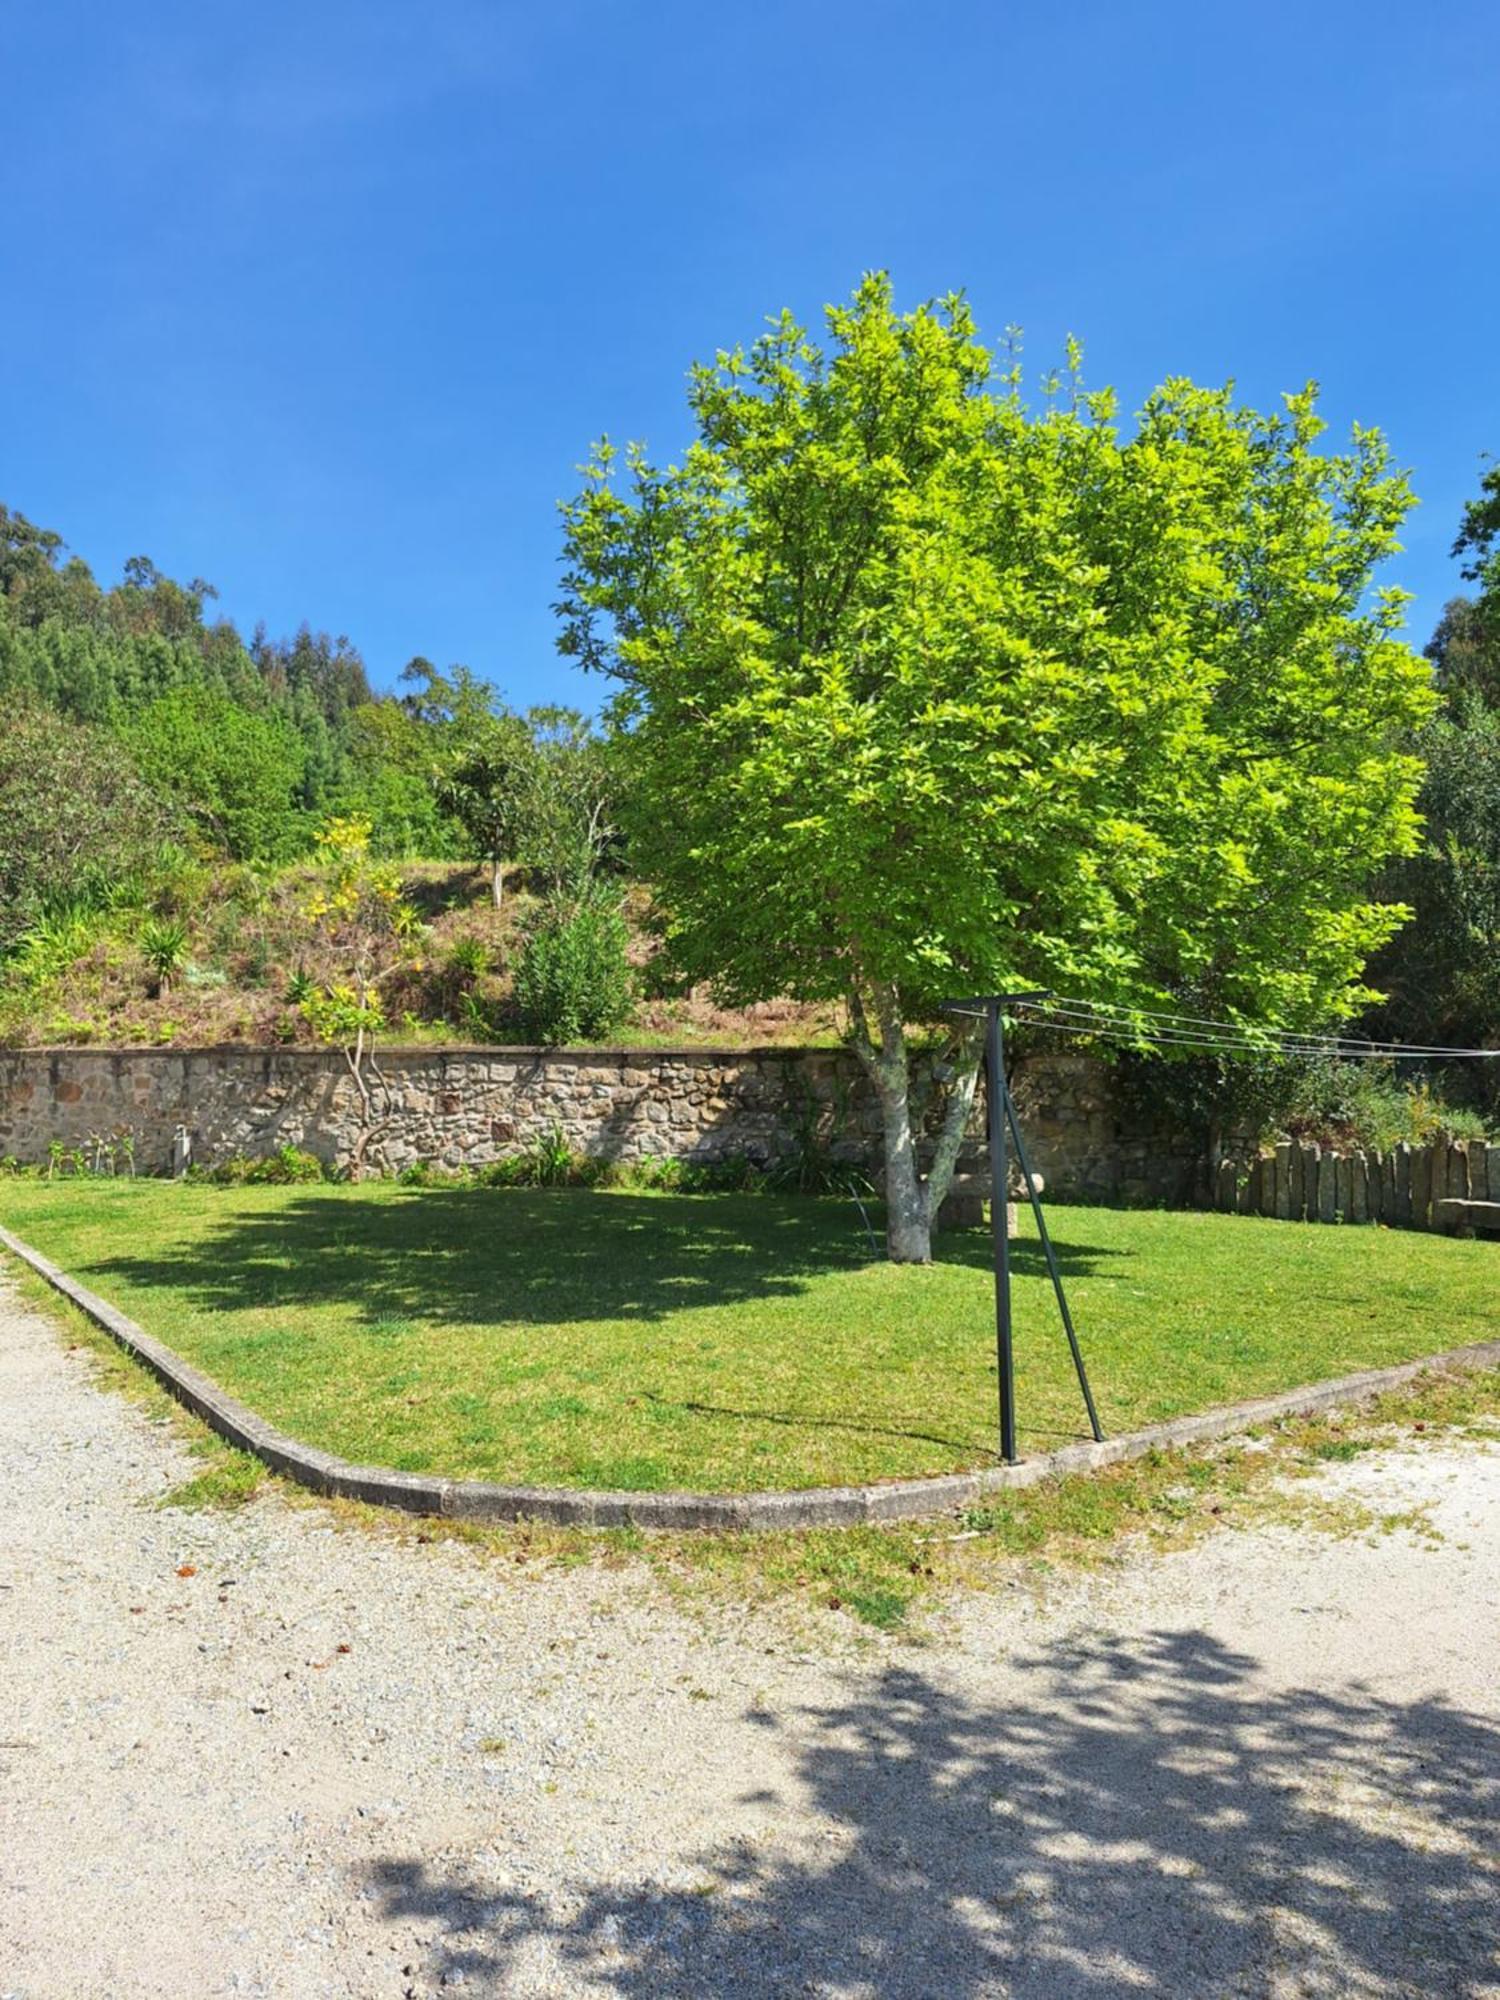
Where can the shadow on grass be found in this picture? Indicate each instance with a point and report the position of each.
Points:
(1152, 1815)
(800, 1420)
(483, 1256)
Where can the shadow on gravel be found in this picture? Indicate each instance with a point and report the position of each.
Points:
(1144, 1818)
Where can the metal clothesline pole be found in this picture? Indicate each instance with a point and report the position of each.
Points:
(1057, 1283)
(1000, 1116)
(995, 1098)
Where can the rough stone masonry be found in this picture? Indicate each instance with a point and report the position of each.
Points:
(464, 1107)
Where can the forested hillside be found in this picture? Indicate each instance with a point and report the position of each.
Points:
(206, 838)
(253, 743)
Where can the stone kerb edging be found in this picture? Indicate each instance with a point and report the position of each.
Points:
(813, 1507)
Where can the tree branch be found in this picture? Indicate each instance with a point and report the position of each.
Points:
(955, 1116)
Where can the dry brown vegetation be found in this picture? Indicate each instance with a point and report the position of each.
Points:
(250, 952)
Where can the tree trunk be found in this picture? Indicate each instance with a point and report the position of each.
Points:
(497, 883)
(910, 1204)
(908, 1224)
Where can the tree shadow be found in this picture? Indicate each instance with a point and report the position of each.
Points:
(1147, 1815)
(477, 1256)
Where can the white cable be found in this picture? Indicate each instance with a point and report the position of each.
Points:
(1182, 1031)
(1199, 1023)
(1164, 1038)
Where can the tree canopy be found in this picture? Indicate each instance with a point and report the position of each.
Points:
(926, 689)
(1442, 972)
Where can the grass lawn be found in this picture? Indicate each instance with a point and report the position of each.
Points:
(651, 1340)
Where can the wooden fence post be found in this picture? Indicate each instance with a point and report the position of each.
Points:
(1421, 1184)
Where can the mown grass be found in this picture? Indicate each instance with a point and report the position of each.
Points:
(889, 1578)
(645, 1341)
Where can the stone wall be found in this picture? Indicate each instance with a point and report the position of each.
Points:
(464, 1107)
(456, 1107)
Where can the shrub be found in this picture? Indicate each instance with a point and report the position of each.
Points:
(56, 942)
(572, 979)
(1366, 1104)
(77, 818)
(546, 1160)
(164, 942)
(468, 958)
(288, 1166)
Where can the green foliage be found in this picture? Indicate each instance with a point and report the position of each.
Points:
(1479, 540)
(536, 791)
(56, 942)
(570, 800)
(392, 779)
(1360, 1102)
(572, 978)
(341, 1014)
(235, 773)
(174, 879)
(163, 943)
(485, 789)
(74, 818)
(811, 1168)
(256, 743)
(288, 1166)
(546, 1160)
(1366, 1104)
(926, 691)
(1465, 650)
(1441, 974)
(926, 687)
(467, 958)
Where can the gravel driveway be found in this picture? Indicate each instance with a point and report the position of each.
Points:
(332, 1763)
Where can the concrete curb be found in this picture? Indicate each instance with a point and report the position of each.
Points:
(813, 1507)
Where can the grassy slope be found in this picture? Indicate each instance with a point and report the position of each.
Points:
(649, 1340)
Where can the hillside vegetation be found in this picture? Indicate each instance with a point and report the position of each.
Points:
(200, 953)
(207, 839)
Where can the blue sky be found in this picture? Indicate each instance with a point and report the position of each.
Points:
(325, 302)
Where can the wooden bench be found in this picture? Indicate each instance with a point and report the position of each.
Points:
(1466, 1218)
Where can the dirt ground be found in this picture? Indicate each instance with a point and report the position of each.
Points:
(252, 1753)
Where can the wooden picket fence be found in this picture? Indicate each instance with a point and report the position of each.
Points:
(1298, 1182)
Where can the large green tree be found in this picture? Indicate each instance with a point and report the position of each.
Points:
(1442, 971)
(535, 790)
(486, 788)
(927, 691)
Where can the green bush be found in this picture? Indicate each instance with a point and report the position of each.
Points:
(164, 944)
(288, 1166)
(56, 942)
(572, 981)
(1366, 1104)
(467, 958)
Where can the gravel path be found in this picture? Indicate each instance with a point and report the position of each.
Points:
(1269, 1765)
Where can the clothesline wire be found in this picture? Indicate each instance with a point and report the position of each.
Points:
(1120, 1024)
(1239, 1030)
